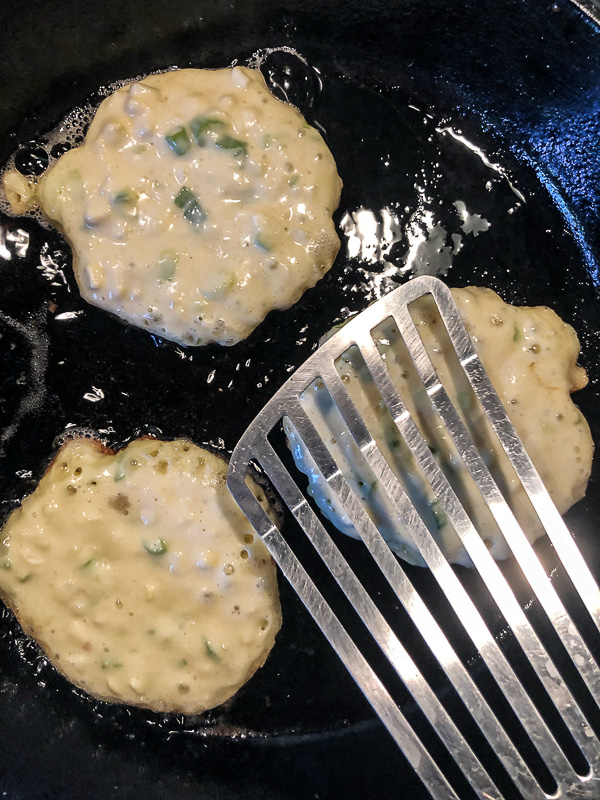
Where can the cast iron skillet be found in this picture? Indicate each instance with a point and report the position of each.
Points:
(519, 81)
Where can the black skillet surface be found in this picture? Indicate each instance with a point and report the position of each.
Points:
(518, 80)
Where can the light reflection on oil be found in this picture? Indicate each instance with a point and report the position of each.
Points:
(458, 137)
(401, 240)
(419, 246)
(424, 235)
(13, 242)
(51, 265)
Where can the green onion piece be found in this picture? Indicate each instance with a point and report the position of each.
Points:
(192, 210)
(464, 400)
(88, 563)
(167, 264)
(183, 197)
(201, 126)
(7, 564)
(294, 179)
(157, 548)
(119, 472)
(194, 213)
(111, 664)
(237, 147)
(210, 652)
(439, 516)
(275, 139)
(178, 140)
(517, 334)
(218, 290)
(125, 197)
(262, 243)
(74, 185)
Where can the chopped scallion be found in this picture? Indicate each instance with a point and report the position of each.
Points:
(194, 213)
(219, 289)
(237, 147)
(167, 264)
(184, 196)
(119, 472)
(517, 334)
(111, 664)
(262, 243)
(192, 210)
(125, 197)
(210, 652)
(178, 140)
(203, 126)
(464, 400)
(439, 516)
(156, 548)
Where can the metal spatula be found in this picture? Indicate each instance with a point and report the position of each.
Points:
(553, 703)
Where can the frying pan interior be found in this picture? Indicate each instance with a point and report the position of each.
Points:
(432, 110)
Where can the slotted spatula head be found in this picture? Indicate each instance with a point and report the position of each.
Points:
(526, 724)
